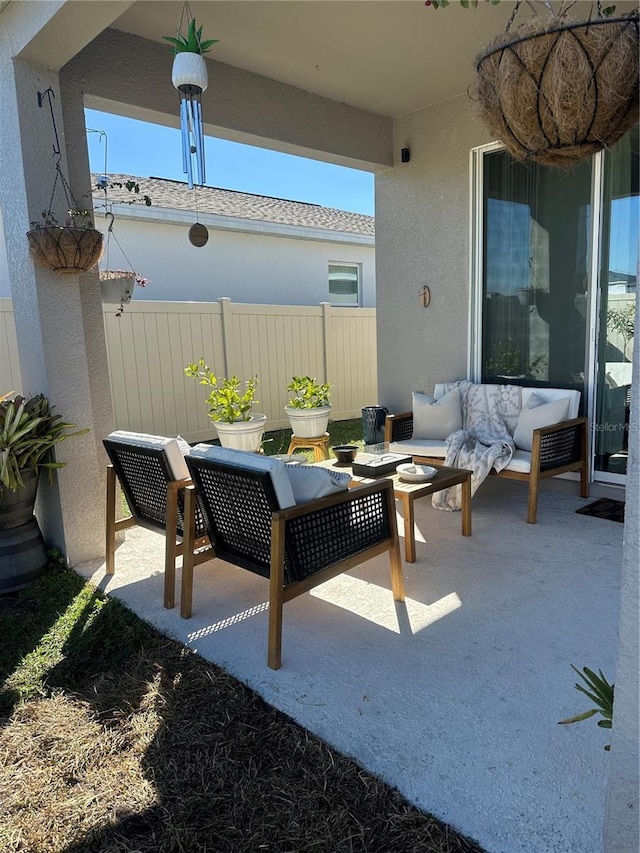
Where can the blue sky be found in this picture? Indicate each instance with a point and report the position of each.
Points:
(145, 150)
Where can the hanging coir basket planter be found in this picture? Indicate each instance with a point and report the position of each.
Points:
(67, 250)
(556, 90)
(75, 246)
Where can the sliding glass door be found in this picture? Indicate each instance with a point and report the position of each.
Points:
(535, 271)
(555, 283)
(617, 297)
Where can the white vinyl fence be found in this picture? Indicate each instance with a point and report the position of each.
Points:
(151, 343)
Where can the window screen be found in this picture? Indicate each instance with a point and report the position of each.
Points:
(344, 284)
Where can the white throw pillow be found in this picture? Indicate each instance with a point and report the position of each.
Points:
(170, 446)
(537, 414)
(183, 444)
(251, 462)
(309, 482)
(436, 419)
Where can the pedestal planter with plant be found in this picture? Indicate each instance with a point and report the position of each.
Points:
(29, 430)
(230, 407)
(309, 408)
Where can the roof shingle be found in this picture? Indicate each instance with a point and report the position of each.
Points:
(176, 195)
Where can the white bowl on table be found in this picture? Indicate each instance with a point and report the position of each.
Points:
(412, 473)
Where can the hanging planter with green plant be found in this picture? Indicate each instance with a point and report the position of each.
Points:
(555, 89)
(189, 76)
(71, 248)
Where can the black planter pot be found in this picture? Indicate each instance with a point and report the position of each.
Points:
(23, 557)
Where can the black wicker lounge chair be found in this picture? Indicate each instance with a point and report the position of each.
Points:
(153, 474)
(296, 547)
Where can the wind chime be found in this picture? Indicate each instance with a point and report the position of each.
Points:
(189, 76)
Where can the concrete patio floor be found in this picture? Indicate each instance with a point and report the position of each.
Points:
(454, 696)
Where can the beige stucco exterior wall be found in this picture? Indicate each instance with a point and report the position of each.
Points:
(422, 238)
(622, 818)
(251, 267)
(128, 75)
(58, 323)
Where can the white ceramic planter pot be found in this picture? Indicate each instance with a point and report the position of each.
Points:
(117, 290)
(242, 435)
(189, 69)
(308, 423)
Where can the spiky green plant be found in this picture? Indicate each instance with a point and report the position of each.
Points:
(601, 694)
(192, 42)
(29, 430)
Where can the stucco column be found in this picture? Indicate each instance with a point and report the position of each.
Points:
(622, 819)
(58, 318)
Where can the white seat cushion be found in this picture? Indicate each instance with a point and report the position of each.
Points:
(520, 461)
(309, 482)
(537, 414)
(436, 419)
(419, 447)
(171, 447)
(250, 461)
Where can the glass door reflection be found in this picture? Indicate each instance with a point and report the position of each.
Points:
(617, 298)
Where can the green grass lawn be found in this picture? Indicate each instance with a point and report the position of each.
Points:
(340, 432)
(116, 739)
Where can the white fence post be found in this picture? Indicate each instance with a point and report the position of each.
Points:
(326, 337)
(10, 379)
(226, 309)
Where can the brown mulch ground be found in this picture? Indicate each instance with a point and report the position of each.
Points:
(164, 752)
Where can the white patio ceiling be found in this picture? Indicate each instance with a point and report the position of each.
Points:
(386, 57)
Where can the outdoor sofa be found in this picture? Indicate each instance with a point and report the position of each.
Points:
(539, 429)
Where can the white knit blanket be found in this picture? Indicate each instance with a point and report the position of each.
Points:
(489, 418)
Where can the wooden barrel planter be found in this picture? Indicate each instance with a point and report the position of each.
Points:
(65, 250)
(556, 90)
(23, 557)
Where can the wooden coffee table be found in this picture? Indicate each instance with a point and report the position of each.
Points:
(407, 493)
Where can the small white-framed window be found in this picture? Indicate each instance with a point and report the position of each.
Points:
(344, 285)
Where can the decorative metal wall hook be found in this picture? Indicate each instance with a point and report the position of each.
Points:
(50, 94)
(73, 208)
